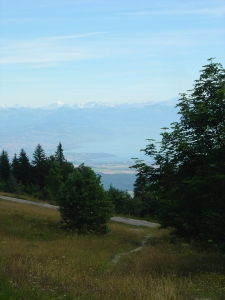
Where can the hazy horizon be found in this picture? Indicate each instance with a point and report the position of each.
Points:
(171, 102)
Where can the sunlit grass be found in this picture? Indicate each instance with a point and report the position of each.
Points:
(39, 260)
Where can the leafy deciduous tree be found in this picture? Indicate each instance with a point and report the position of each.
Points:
(120, 200)
(83, 204)
(187, 176)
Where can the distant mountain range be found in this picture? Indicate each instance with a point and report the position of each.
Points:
(100, 105)
(59, 104)
(76, 125)
(93, 133)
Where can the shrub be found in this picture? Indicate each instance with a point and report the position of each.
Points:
(83, 203)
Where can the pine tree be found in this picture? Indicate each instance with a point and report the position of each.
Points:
(4, 166)
(65, 167)
(24, 168)
(39, 166)
(15, 166)
(59, 156)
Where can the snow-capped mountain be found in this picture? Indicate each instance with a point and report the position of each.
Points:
(55, 105)
(101, 105)
(97, 105)
(60, 104)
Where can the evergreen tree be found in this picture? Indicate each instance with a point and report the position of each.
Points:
(24, 168)
(15, 166)
(65, 166)
(59, 156)
(4, 166)
(39, 164)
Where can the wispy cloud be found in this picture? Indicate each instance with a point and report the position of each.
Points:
(76, 36)
(10, 6)
(49, 51)
(211, 11)
(46, 50)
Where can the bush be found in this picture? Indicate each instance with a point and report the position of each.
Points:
(83, 203)
(11, 184)
(135, 207)
(120, 200)
(2, 186)
(123, 203)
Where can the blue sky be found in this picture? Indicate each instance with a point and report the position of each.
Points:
(77, 51)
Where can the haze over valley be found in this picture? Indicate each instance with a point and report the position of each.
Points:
(103, 136)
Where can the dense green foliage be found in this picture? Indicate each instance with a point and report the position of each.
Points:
(40, 178)
(123, 203)
(54, 180)
(120, 200)
(185, 184)
(83, 203)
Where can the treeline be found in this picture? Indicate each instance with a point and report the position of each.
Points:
(43, 177)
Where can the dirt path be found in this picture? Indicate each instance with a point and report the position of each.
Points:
(115, 219)
(28, 202)
(143, 242)
(134, 222)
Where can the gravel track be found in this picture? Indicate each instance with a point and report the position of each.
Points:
(115, 219)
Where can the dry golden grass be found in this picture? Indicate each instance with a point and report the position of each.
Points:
(41, 261)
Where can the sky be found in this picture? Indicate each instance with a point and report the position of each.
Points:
(76, 51)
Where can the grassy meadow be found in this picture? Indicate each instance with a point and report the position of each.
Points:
(39, 260)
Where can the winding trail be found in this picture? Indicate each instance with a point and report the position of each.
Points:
(115, 219)
(143, 242)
